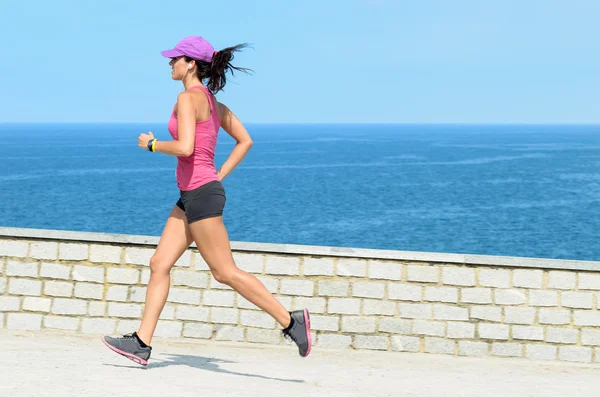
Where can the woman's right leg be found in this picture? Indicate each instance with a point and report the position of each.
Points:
(175, 239)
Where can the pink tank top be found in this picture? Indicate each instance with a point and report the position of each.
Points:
(199, 168)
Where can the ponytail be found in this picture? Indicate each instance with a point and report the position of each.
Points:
(216, 70)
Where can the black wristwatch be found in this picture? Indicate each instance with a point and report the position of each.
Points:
(150, 142)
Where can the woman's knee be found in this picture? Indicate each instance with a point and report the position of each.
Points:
(225, 276)
(159, 266)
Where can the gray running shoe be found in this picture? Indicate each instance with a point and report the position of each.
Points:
(129, 346)
(299, 331)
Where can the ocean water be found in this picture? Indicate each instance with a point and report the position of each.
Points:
(518, 190)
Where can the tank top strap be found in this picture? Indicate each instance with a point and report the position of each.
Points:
(209, 95)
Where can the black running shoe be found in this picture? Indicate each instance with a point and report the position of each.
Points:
(130, 347)
(299, 331)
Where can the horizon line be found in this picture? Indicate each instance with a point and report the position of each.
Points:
(457, 123)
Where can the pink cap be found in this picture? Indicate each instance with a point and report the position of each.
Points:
(194, 47)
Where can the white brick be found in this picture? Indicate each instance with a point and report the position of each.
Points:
(541, 352)
(61, 322)
(439, 346)
(129, 310)
(562, 280)
(590, 337)
(271, 284)
(24, 321)
(199, 262)
(73, 252)
(138, 256)
(189, 296)
(37, 304)
(97, 309)
(358, 324)
(509, 297)
(554, 317)
(168, 313)
(272, 337)
(324, 323)
(3, 282)
(24, 269)
(507, 349)
(527, 333)
(202, 331)
(476, 295)
(190, 279)
(371, 342)
(69, 306)
(9, 304)
(145, 276)
(105, 254)
(459, 330)
(519, 315)
(493, 331)
(528, 278)
(497, 278)
(117, 293)
(92, 274)
(100, 326)
(282, 265)
(251, 263)
(589, 281)
(89, 291)
(441, 294)
(224, 332)
(58, 288)
(13, 248)
(395, 326)
(127, 326)
(562, 335)
(314, 305)
(452, 313)
(543, 298)
(333, 288)
(577, 300)
(378, 307)
(44, 250)
(168, 329)
(416, 310)
(193, 313)
(352, 267)
(431, 328)
(214, 284)
(19, 286)
(575, 354)
(473, 349)
(55, 271)
(458, 276)
(405, 292)
(297, 287)
(385, 270)
(243, 303)
(586, 318)
(219, 298)
(368, 290)
(405, 343)
(256, 319)
(488, 313)
(185, 260)
(423, 274)
(318, 267)
(122, 275)
(343, 306)
(334, 340)
(223, 315)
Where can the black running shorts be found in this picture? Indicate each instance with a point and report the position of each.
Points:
(203, 202)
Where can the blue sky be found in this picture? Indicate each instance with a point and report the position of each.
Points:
(328, 61)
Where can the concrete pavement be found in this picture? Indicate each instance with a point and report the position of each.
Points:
(62, 364)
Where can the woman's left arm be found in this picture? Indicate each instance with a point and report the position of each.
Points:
(183, 146)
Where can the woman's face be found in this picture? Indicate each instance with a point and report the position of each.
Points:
(178, 67)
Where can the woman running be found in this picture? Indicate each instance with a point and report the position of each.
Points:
(197, 215)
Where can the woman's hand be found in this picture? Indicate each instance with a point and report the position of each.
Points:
(144, 138)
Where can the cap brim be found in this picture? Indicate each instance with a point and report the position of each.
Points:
(171, 53)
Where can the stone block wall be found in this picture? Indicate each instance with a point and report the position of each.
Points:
(363, 299)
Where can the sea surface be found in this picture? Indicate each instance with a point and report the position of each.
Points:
(516, 190)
